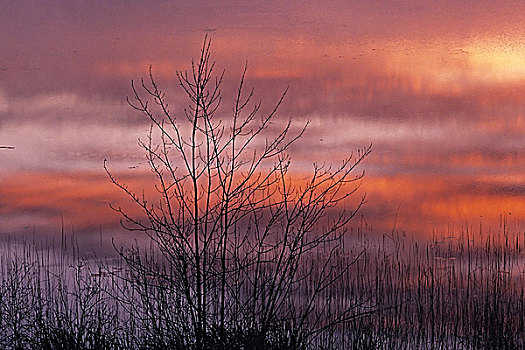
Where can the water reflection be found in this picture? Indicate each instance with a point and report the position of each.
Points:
(439, 94)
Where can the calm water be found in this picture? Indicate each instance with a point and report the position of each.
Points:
(437, 88)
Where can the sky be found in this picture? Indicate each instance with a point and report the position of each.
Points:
(437, 87)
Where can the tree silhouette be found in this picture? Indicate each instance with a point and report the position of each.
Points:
(245, 252)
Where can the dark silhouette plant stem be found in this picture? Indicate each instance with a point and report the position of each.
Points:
(230, 219)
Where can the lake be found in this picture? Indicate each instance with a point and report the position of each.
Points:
(436, 88)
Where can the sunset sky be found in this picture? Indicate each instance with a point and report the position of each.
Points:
(438, 88)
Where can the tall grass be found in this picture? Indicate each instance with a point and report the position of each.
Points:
(453, 291)
(463, 291)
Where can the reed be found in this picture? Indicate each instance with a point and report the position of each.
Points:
(464, 291)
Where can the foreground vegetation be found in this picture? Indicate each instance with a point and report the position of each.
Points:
(244, 252)
(460, 292)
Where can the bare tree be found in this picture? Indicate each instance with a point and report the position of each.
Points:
(247, 250)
